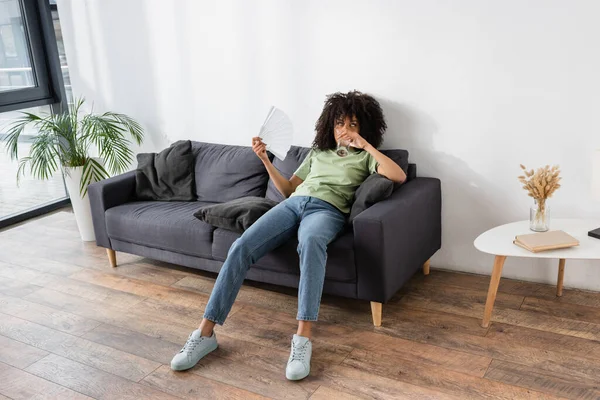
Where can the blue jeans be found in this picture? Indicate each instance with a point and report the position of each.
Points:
(317, 223)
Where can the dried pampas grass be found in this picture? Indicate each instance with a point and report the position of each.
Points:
(540, 184)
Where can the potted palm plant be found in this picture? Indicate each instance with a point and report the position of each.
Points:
(64, 142)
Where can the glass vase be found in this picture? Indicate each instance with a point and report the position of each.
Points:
(539, 216)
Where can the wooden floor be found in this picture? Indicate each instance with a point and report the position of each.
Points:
(72, 327)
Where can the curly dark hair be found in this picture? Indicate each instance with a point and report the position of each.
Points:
(339, 105)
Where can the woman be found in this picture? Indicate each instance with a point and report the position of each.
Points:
(319, 197)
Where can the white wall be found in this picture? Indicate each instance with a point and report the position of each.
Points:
(471, 88)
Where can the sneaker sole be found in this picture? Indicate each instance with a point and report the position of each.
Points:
(203, 354)
(296, 378)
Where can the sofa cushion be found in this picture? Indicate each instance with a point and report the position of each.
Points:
(297, 154)
(340, 256)
(168, 175)
(399, 156)
(412, 172)
(225, 172)
(374, 189)
(163, 225)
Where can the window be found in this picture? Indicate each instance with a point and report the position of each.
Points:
(29, 75)
(15, 61)
(61, 53)
(33, 67)
(31, 193)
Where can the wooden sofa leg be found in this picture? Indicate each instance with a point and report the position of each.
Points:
(112, 257)
(376, 311)
(426, 268)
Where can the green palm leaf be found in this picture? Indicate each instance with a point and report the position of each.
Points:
(108, 135)
(43, 156)
(23, 162)
(93, 171)
(65, 139)
(132, 126)
(14, 132)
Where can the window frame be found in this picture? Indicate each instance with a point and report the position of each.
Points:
(57, 98)
(43, 51)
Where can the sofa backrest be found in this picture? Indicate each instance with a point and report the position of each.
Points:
(297, 154)
(226, 172)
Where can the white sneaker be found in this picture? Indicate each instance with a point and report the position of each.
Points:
(298, 366)
(195, 348)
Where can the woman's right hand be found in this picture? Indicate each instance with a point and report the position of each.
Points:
(260, 148)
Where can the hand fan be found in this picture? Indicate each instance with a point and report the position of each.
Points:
(277, 133)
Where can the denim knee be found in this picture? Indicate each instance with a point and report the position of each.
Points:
(239, 246)
(241, 249)
(312, 242)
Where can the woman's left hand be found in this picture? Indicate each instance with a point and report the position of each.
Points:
(354, 140)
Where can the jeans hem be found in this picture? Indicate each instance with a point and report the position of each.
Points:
(304, 318)
(213, 319)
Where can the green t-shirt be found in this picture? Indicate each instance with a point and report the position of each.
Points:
(332, 178)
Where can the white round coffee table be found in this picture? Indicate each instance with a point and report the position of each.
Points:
(499, 242)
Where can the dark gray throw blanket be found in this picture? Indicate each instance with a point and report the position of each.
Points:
(168, 175)
(235, 215)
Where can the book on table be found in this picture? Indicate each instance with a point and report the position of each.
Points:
(542, 241)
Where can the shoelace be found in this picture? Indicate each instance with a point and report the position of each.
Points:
(191, 344)
(298, 352)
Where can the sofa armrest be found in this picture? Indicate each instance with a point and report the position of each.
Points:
(393, 238)
(106, 194)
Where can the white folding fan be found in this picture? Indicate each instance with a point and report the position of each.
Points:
(277, 132)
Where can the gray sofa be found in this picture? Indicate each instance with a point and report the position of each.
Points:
(385, 245)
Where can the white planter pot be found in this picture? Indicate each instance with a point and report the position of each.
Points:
(81, 205)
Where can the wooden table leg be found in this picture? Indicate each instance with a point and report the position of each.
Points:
(493, 289)
(561, 277)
